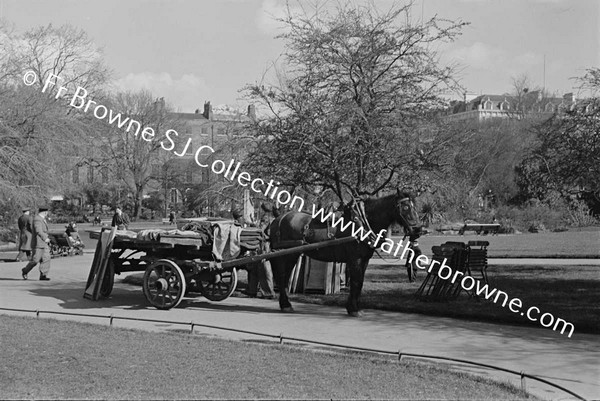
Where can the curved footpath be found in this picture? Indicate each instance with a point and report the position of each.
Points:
(573, 362)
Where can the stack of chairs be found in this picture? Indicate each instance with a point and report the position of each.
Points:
(478, 261)
(469, 259)
(433, 287)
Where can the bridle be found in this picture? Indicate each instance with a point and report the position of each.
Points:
(400, 207)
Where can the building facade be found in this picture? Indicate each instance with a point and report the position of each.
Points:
(489, 106)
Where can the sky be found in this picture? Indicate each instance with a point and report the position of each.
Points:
(192, 51)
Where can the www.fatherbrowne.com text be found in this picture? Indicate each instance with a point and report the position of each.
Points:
(231, 171)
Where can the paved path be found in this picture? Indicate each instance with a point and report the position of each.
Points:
(573, 363)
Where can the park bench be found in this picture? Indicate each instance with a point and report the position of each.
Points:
(479, 228)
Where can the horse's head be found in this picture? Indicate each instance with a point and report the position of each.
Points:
(406, 214)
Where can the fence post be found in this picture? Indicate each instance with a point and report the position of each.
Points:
(280, 338)
(37, 313)
(523, 383)
(400, 355)
(111, 319)
(191, 327)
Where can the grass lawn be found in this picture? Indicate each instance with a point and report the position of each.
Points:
(568, 292)
(48, 359)
(572, 244)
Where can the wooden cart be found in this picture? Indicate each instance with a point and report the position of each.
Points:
(176, 267)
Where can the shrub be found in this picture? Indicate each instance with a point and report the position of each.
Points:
(8, 234)
(533, 217)
(580, 215)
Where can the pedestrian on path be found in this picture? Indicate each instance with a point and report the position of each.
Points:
(25, 233)
(40, 245)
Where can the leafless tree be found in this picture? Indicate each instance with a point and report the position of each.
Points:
(344, 115)
(38, 132)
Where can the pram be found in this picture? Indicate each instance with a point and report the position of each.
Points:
(66, 244)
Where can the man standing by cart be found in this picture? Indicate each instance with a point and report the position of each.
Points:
(40, 246)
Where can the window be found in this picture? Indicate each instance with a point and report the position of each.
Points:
(76, 175)
(204, 130)
(90, 175)
(221, 131)
(188, 175)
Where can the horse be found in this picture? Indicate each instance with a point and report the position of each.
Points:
(379, 213)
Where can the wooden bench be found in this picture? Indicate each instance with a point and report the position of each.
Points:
(479, 228)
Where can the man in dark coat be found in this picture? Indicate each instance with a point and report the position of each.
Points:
(120, 219)
(25, 227)
(40, 245)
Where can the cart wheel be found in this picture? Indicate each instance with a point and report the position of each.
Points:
(109, 279)
(164, 284)
(220, 286)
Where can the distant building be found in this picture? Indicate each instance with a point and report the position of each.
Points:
(217, 127)
(489, 106)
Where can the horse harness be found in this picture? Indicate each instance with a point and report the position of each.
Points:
(316, 231)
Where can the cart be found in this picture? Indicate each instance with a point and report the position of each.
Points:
(176, 267)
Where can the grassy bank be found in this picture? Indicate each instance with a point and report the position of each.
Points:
(46, 359)
(572, 244)
(568, 292)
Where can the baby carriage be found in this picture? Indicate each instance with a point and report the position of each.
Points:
(68, 243)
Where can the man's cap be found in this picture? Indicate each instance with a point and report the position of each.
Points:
(43, 208)
(25, 209)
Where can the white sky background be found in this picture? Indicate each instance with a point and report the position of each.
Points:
(190, 51)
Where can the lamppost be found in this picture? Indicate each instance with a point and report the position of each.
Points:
(212, 145)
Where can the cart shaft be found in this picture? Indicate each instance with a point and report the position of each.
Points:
(283, 252)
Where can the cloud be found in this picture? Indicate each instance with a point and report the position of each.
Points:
(185, 93)
(478, 55)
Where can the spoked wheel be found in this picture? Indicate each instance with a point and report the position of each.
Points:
(164, 284)
(109, 279)
(220, 285)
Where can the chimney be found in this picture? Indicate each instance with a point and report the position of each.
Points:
(197, 111)
(159, 104)
(252, 111)
(208, 113)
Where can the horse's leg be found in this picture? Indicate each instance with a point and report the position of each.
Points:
(282, 268)
(355, 270)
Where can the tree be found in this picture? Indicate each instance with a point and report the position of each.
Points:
(566, 156)
(345, 114)
(39, 134)
(127, 152)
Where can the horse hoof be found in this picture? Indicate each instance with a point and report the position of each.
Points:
(288, 309)
(355, 313)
